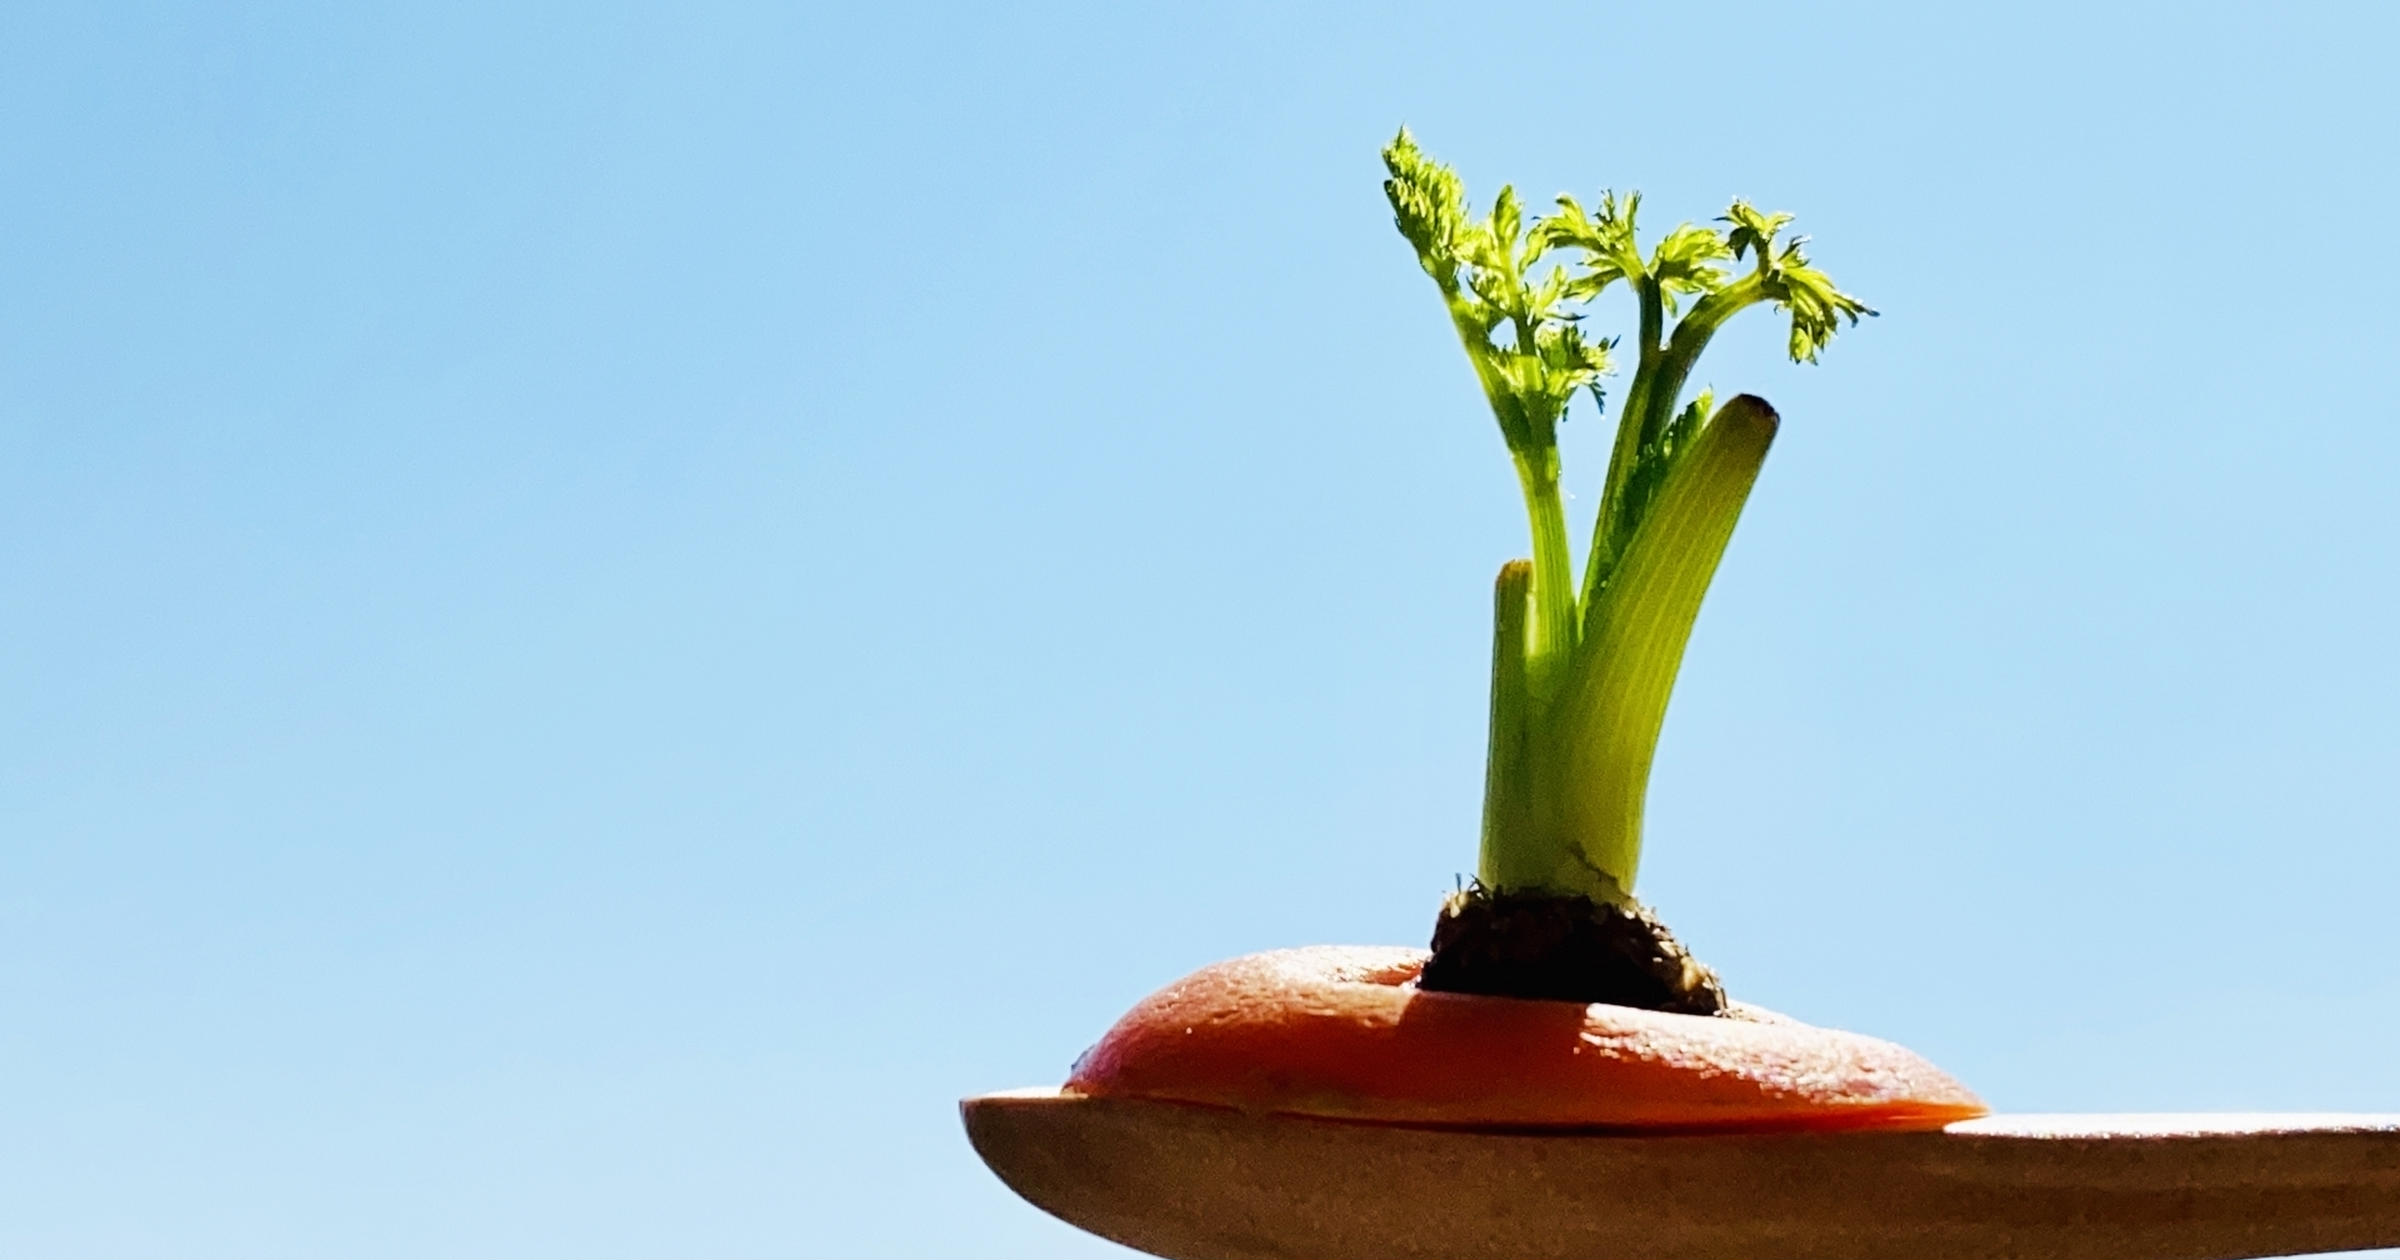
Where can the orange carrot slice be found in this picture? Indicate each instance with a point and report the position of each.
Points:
(1343, 1032)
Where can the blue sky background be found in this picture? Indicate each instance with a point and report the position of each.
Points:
(602, 610)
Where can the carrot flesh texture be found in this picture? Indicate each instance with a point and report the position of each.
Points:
(1341, 1032)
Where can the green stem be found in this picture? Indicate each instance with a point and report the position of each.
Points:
(1692, 334)
(1507, 860)
(1479, 353)
(1626, 454)
(1551, 642)
(1649, 405)
(1613, 706)
(1533, 446)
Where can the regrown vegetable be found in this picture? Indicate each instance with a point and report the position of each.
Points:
(1581, 670)
(1629, 1030)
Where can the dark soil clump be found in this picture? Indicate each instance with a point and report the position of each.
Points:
(1568, 949)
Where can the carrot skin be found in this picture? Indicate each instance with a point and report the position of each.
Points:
(1342, 1032)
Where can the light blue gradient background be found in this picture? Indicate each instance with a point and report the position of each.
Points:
(603, 610)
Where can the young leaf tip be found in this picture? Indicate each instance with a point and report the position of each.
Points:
(1429, 205)
(1786, 278)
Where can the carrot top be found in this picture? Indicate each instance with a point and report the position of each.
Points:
(1581, 673)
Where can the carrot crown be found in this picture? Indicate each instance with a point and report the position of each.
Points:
(1581, 672)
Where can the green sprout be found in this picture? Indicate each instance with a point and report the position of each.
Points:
(1581, 672)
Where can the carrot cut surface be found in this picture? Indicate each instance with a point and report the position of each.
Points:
(1343, 1032)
